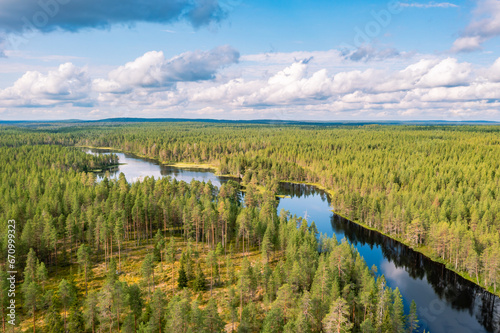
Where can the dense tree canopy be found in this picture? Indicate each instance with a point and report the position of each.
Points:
(433, 187)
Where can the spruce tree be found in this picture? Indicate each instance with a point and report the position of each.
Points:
(200, 283)
(182, 279)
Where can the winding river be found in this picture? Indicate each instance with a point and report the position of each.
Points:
(446, 302)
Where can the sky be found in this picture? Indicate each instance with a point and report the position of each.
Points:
(255, 59)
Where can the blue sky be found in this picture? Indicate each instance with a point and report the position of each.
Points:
(233, 59)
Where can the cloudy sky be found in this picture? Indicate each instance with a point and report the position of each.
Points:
(250, 59)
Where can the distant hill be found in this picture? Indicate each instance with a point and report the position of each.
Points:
(256, 121)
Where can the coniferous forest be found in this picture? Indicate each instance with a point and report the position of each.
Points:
(161, 255)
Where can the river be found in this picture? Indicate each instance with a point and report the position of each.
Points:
(446, 302)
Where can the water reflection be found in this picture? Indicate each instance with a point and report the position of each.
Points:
(136, 168)
(446, 302)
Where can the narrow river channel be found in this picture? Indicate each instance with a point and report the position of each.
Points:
(446, 302)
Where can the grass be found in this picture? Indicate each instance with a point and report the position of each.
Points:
(425, 250)
(204, 166)
(131, 262)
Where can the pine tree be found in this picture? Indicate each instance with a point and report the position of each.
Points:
(83, 256)
(274, 321)
(213, 323)
(75, 320)
(249, 319)
(158, 304)
(135, 302)
(337, 320)
(171, 252)
(412, 320)
(398, 315)
(42, 274)
(105, 307)
(53, 319)
(212, 261)
(118, 235)
(90, 311)
(267, 245)
(32, 300)
(30, 269)
(120, 300)
(178, 313)
(197, 319)
(147, 271)
(4, 299)
(66, 295)
(367, 326)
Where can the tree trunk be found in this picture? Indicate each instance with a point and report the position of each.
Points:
(65, 319)
(119, 257)
(86, 283)
(111, 247)
(153, 272)
(164, 223)
(146, 222)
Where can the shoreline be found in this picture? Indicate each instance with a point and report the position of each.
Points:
(424, 250)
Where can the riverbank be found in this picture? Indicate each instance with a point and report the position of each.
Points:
(181, 165)
(424, 250)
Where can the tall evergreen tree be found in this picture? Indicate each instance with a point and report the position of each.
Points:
(66, 295)
(83, 256)
(412, 319)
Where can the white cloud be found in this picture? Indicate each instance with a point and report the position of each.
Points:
(152, 70)
(485, 25)
(325, 85)
(448, 72)
(493, 72)
(467, 44)
(67, 84)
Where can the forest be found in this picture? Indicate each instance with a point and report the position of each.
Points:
(168, 256)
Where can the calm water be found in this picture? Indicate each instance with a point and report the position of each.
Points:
(136, 168)
(446, 302)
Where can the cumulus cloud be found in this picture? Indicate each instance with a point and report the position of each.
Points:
(153, 70)
(447, 73)
(484, 26)
(74, 15)
(193, 84)
(424, 89)
(294, 85)
(290, 85)
(493, 72)
(67, 84)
